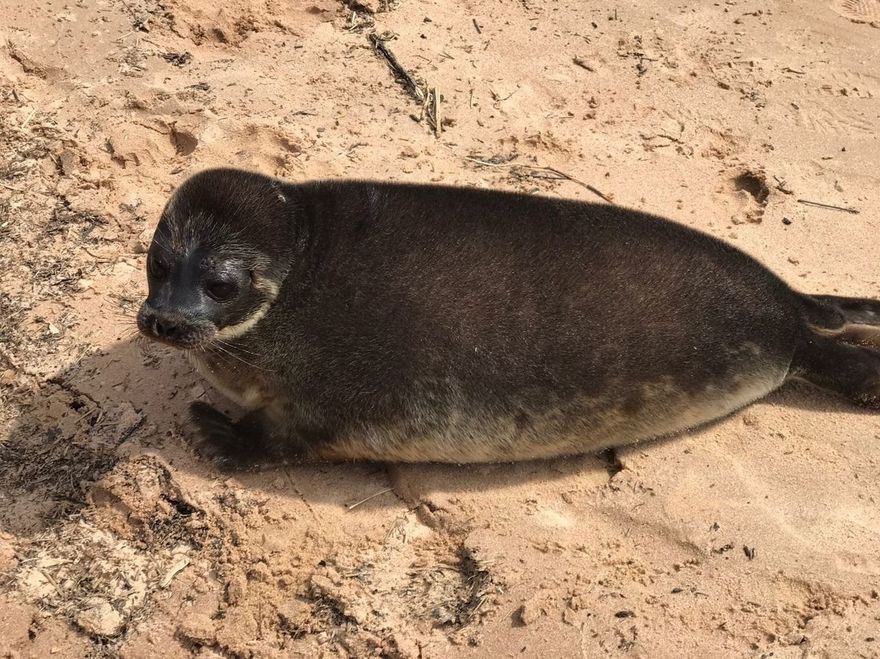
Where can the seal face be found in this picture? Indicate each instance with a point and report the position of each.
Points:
(211, 273)
(361, 320)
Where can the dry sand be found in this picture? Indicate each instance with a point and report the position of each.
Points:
(759, 536)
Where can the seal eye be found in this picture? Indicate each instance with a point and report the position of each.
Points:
(157, 268)
(220, 290)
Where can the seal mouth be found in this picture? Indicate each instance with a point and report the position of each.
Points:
(175, 329)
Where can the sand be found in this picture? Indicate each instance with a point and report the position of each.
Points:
(756, 537)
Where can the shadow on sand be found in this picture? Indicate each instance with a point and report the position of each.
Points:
(133, 397)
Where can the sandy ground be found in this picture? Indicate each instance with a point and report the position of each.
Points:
(759, 536)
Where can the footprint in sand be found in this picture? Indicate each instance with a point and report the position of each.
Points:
(858, 11)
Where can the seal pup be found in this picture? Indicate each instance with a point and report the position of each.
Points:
(364, 320)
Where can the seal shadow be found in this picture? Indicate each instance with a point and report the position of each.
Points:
(73, 427)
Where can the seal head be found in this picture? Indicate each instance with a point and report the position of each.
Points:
(220, 252)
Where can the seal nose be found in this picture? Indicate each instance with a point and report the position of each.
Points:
(173, 326)
(166, 329)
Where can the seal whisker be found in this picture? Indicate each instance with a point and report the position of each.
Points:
(220, 356)
(162, 243)
(237, 347)
(244, 361)
(129, 334)
(223, 358)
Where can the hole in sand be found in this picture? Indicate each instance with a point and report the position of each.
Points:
(755, 184)
(184, 142)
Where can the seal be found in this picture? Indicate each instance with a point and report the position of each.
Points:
(398, 322)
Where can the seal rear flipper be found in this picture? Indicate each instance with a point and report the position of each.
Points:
(835, 310)
(851, 320)
(849, 370)
(232, 446)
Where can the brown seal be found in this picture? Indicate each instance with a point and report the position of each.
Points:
(427, 323)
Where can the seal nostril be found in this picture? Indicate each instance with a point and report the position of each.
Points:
(165, 329)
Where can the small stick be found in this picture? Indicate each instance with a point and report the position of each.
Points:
(129, 9)
(372, 496)
(486, 163)
(589, 187)
(437, 128)
(29, 117)
(399, 72)
(553, 170)
(583, 64)
(819, 204)
(477, 26)
(99, 259)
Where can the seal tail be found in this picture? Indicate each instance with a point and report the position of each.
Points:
(849, 310)
(841, 352)
(831, 314)
(852, 320)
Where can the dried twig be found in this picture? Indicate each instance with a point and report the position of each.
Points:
(583, 64)
(664, 136)
(372, 496)
(429, 98)
(399, 72)
(560, 174)
(28, 118)
(535, 168)
(782, 185)
(98, 258)
(436, 108)
(819, 204)
(128, 8)
(489, 163)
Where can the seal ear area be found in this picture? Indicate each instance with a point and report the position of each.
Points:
(225, 210)
(241, 200)
(265, 284)
(239, 314)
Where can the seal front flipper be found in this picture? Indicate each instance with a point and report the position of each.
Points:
(232, 445)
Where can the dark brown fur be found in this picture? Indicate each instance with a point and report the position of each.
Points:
(407, 322)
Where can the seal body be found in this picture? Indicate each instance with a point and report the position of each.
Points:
(429, 323)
